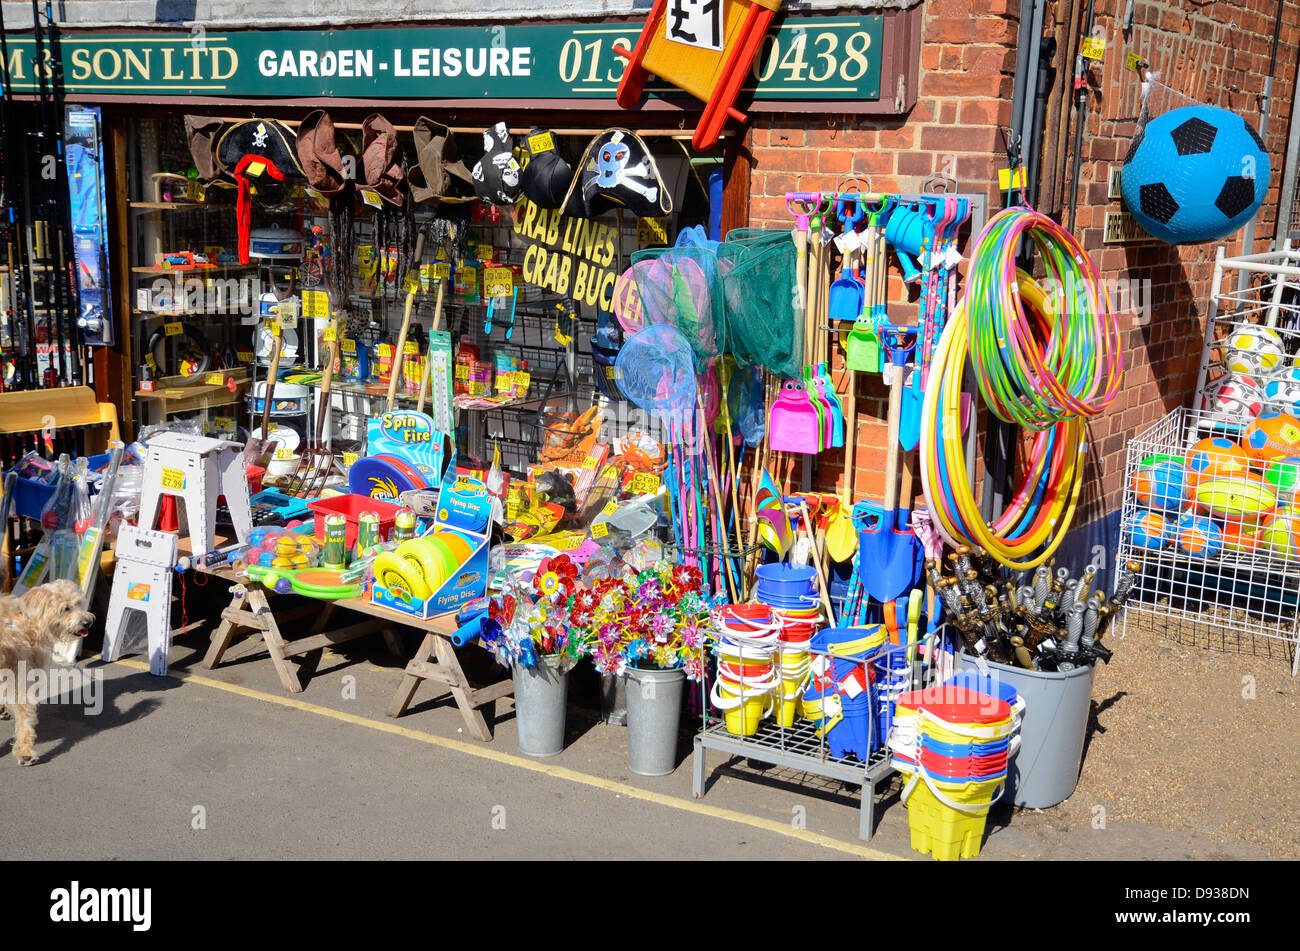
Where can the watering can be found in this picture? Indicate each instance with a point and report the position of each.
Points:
(910, 229)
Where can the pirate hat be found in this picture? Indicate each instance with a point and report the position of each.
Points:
(202, 132)
(496, 174)
(318, 151)
(618, 171)
(547, 176)
(439, 169)
(381, 160)
(248, 150)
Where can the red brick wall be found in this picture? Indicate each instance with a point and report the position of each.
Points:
(967, 68)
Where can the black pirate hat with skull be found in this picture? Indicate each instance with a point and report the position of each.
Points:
(618, 171)
(249, 150)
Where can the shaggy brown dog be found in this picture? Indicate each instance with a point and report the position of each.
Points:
(31, 627)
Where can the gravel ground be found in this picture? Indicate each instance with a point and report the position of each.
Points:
(1193, 728)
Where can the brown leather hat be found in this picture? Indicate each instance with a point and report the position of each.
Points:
(202, 132)
(381, 163)
(318, 151)
(439, 166)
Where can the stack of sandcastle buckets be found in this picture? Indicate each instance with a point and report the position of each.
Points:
(763, 649)
(953, 741)
(844, 693)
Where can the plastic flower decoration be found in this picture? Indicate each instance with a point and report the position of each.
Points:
(556, 577)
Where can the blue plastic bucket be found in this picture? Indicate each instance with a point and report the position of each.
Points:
(853, 734)
(786, 581)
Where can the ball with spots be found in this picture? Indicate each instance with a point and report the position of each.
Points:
(1233, 398)
(1199, 535)
(1272, 436)
(1161, 486)
(1195, 174)
(1150, 531)
(1253, 350)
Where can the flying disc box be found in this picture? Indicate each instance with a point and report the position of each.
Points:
(464, 509)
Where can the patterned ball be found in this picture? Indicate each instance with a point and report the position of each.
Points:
(1232, 397)
(1160, 486)
(1283, 391)
(1151, 531)
(1283, 474)
(1199, 535)
(1241, 536)
(1272, 436)
(1281, 533)
(1214, 458)
(1253, 350)
(1195, 174)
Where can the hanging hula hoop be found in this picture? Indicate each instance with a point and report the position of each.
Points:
(1047, 497)
(1076, 367)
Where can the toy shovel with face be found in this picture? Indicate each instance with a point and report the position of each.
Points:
(794, 423)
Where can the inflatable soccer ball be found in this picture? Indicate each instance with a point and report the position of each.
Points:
(1150, 531)
(1272, 436)
(1253, 350)
(1216, 458)
(1160, 486)
(1195, 174)
(1233, 397)
(1199, 535)
(1283, 391)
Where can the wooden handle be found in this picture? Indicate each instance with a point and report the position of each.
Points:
(891, 450)
(850, 435)
(271, 374)
(327, 378)
(396, 371)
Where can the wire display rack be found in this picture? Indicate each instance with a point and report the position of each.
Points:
(802, 746)
(1216, 529)
(1252, 331)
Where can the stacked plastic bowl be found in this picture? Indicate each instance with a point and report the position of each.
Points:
(749, 673)
(954, 743)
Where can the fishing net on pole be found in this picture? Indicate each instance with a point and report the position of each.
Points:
(762, 325)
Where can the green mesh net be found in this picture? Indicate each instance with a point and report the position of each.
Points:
(762, 324)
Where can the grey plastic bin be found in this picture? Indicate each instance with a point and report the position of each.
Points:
(1046, 769)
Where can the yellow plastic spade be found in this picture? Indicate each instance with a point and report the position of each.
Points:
(841, 536)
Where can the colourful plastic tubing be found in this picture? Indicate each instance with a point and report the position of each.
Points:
(1048, 358)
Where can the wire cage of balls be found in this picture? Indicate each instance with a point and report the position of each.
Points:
(1195, 174)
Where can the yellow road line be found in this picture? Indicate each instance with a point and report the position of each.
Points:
(547, 769)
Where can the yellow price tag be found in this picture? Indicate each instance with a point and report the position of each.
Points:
(610, 508)
(484, 252)
(214, 379)
(173, 328)
(151, 362)
(349, 345)
(651, 231)
(441, 270)
(498, 282)
(1132, 61)
(316, 304)
(590, 463)
(1093, 47)
(385, 350)
(644, 483)
(1005, 180)
(255, 169)
(371, 198)
(173, 479)
(411, 283)
(330, 335)
(411, 348)
(283, 454)
(541, 142)
(273, 326)
(599, 530)
(609, 472)
(349, 458)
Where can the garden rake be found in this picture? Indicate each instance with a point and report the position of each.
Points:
(316, 460)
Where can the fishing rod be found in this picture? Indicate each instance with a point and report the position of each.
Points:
(21, 281)
(57, 219)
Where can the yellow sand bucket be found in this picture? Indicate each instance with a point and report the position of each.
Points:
(794, 667)
(946, 819)
(742, 708)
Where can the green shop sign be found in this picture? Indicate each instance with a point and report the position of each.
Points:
(805, 58)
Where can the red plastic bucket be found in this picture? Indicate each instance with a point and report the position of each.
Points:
(351, 506)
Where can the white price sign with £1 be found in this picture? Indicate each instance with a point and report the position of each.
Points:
(695, 23)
